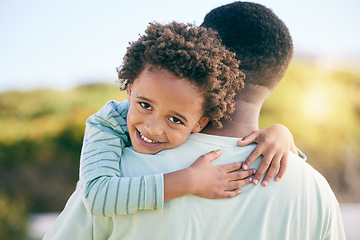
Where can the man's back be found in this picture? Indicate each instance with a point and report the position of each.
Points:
(300, 206)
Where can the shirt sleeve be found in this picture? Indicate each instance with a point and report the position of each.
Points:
(335, 227)
(104, 191)
(301, 154)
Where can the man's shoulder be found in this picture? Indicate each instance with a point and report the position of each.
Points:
(308, 183)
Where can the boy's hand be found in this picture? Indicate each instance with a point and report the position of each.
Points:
(217, 181)
(274, 144)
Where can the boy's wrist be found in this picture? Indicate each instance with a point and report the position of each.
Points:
(189, 177)
(178, 184)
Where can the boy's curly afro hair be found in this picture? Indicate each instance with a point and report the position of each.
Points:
(191, 52)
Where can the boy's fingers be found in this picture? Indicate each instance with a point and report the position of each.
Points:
(239, 175)
(262, 168)
(247, 140)
(283, 166)
(230, 167)
(252, 157)
(229, 194)
(239, 183)
(233, 188)
(211, 156)
(272, 170)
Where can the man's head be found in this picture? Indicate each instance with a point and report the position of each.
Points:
(259, 38)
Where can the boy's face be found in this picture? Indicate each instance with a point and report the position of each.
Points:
(164, 111)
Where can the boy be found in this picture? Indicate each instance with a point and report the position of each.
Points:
(179, 78)
(177, 52)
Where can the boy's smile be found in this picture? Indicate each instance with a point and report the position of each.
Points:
(164, 110)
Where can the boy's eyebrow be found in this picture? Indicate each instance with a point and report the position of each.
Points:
(145, 98)
(181, 116)
(175, 113)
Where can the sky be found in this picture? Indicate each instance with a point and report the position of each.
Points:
(61, 44)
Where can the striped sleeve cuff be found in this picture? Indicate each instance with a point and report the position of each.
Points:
(154, 192)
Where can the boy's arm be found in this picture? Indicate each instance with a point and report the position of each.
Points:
(274, 144)
(105, 192)
(207, 180)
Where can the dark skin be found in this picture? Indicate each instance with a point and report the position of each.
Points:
(274, 142)
(204, 179)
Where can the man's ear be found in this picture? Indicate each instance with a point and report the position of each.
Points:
(128, 92)
(201, 124)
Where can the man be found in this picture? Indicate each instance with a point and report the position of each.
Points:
(300, 206)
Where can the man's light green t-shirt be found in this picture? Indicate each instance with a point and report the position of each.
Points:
(300, 206)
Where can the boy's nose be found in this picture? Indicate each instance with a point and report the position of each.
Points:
(154, 127)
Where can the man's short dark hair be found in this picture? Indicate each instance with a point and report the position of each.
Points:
(259, 38)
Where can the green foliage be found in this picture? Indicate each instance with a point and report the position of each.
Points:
(40, 144)
(40, 141)
(13, 219)
(42, 113)
(321, 108)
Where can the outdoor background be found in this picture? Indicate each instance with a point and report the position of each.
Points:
(57, 67)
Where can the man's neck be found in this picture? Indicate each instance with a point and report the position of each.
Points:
(244, 120)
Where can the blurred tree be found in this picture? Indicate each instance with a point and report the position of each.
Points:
(13, 218)
(321, 108)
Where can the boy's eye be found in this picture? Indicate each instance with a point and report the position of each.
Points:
(175, 120)
(145, 105)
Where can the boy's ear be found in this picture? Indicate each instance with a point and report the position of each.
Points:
(128, 92)
(201, 124)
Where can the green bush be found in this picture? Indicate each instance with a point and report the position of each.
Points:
(13, 218)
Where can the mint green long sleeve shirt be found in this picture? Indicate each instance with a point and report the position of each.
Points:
(105, 191)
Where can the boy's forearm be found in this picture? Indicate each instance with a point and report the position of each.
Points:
(177, 184)
(101, 182)
(111, 196)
